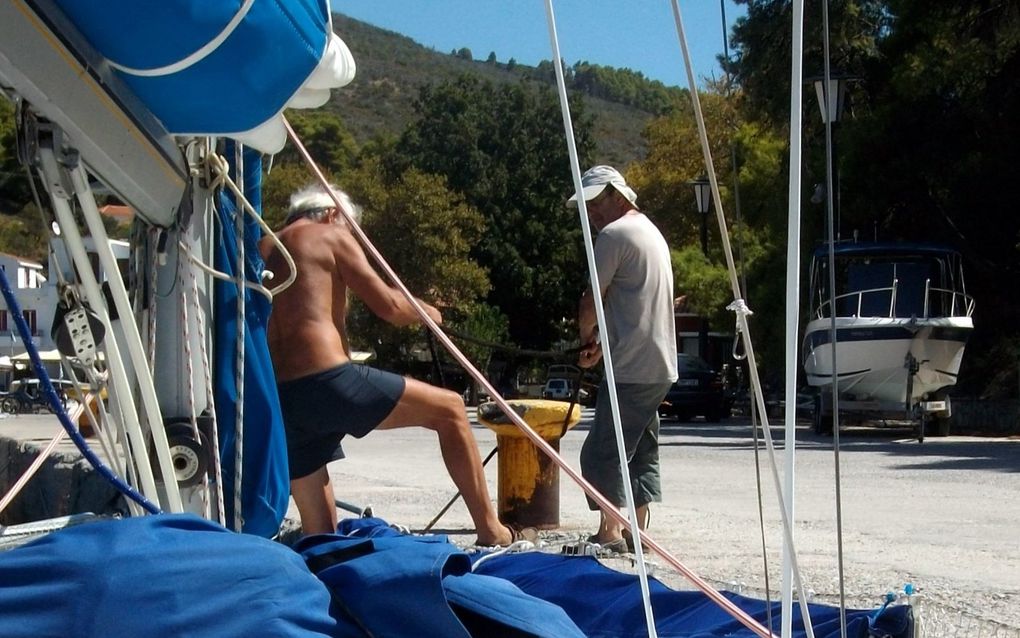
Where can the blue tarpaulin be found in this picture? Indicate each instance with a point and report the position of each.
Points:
(179, 575)
(163, 576)
(607, 604)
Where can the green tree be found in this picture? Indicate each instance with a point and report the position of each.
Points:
(14, 189)
(665, 194)
(762, 43)
(502, 148)
(23, 235)
(934, 157)
(927, 150)
(283, 180)
(425, 232)
(325, 136)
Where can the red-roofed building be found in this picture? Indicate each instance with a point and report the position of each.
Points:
(121, 214)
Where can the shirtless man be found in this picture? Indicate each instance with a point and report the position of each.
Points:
(323, 395)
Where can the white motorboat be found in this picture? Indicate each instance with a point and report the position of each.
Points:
(902, 320)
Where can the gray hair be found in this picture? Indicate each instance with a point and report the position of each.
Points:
(314, 202)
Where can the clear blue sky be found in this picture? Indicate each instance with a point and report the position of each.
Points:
(634, 34)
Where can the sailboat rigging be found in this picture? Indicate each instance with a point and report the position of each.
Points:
(96, 101)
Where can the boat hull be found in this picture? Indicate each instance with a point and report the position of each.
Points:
(872, 356)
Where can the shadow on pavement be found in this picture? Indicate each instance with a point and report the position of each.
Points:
(951, 453)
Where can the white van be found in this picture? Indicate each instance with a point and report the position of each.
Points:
(556, 389)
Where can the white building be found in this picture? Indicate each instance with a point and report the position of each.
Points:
(37, 296)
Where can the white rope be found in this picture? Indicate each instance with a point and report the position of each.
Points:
(131, 336)
(221, 177)
(218, 274)
(239, 361)
(132, 427)
(515, 547)
(596, 291)
(219, 171)
(741, 316)
(190, 381)
(210, 399)
(153, 282)
(193, 58)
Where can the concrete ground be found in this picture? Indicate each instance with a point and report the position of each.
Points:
(942, 515)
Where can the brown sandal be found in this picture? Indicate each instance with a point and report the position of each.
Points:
(517, 534)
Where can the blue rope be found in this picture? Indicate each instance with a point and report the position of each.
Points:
(55, 405)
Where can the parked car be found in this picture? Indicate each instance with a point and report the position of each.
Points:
(563, 390)
(27, 396)
(699, 391)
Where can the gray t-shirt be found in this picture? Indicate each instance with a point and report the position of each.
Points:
(636, 278)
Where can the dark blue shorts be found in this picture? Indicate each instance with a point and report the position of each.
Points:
(322, 408)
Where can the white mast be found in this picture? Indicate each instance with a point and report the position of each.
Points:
(792, 303)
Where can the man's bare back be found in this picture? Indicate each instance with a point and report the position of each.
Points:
(307, 329)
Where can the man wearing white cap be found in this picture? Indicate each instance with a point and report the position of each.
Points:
(636, 281)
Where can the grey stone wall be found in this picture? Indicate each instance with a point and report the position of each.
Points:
(65, 484)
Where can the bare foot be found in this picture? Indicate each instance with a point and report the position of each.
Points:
(501, 536)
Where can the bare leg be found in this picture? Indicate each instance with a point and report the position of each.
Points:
(610, 530)
(313, 495)
(643, 516)
(443, 412)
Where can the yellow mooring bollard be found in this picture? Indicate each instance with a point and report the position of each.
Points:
(529, 482)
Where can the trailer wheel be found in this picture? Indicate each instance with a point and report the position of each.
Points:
(939, 426)
(821, 421)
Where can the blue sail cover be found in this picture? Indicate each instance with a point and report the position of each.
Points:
(163, 576)
(219, 67)
(178, 575)
(606, 603)
(265, 477)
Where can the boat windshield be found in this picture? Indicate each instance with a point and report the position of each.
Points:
(898, 285)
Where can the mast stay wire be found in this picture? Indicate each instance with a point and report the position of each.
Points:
(738, 614)
(742, 311)
(600, 315)
(831, 232)
(743, 290)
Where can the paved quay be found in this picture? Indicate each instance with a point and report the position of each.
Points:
(941, 515)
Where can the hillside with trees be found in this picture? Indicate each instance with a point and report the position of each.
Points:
(460, 162)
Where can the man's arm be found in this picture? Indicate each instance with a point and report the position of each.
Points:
(385, 301)
(587, 323)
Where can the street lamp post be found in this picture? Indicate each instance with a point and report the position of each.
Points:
(831, 100)
(703, 196)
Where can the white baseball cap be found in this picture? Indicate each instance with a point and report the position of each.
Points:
(595, 180)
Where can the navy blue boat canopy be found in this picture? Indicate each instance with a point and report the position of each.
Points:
(893, 249)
